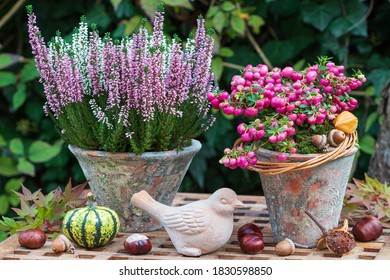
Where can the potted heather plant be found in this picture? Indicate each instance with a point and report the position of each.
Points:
(299, 136)
(129, 109)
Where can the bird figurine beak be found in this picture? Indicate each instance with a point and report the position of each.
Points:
(238, 204)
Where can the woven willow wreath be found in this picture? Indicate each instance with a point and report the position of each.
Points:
(277, 167)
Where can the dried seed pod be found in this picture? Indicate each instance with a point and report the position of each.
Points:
(321, 243)
(338, 240)
(346, 121)
(62, 244)
(285, 247)
(319, 141)
(335, 137)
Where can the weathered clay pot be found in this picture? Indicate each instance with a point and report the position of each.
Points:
(115, 177)
(320, 190)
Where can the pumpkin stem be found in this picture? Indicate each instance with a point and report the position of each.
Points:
(91, 200)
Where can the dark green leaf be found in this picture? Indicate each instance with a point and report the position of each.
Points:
(8, 59)
(8, 167)
(228, 6)
(149, 7)
(299, 64)
(198, 168)
(320, 15)
(7, 79)
(379, 78)
(219, 21)
(132, 24)
(3, 143)
(279, 52)
(371, 120)
(4, 205)
(26, 167)
(367, 144)
(19, 97)
(339, 26)
(212, 11)
(29, 71)
(256, 22)
(98, 16)
(13, 184)
(125, 9)
(16, 146)
(217, 67)
(41, 151)
(238, 24)
(226, 52)
(115, 4)
(178, 3)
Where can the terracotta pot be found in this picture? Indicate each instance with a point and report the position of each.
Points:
(320, 190)
(115, 177)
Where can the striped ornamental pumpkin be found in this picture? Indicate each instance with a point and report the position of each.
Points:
(92, 226)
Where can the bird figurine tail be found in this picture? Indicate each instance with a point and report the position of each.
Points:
(147, 203)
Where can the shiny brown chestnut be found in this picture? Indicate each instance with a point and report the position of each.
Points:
(367, 229)
(252, 243)
(248, 228)
(32, 238)
(137, 244)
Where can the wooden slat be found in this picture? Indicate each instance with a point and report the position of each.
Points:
(255, 211)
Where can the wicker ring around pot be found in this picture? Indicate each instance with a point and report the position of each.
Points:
(277, 167)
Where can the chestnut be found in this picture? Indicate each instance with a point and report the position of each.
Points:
(252, 243)
(367, 229)
(248, 228)
(32, 238)
(137, 244)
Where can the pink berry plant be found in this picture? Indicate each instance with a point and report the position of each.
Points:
(284, 107)
(142, 92)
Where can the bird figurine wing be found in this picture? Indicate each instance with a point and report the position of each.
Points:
(190, 220)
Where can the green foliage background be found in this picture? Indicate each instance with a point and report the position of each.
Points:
(289, 32)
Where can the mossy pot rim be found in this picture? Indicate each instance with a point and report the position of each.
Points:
(193, 148)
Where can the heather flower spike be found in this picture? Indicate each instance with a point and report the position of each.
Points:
(100, 90)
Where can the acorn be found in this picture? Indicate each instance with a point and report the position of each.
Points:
(285, 247)
(62, 244)
(335, 137)
(319, 141)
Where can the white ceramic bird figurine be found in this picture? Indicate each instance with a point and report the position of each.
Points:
(199, 227)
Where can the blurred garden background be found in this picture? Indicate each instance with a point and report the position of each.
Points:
(278, 33)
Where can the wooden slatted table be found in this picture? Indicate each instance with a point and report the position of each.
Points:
(254, 212)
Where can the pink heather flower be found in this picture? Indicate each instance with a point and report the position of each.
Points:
(142, 75)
